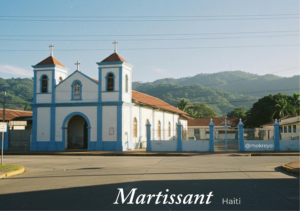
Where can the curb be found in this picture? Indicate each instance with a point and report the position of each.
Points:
(275, 154)
(13, 173)
(289, 169)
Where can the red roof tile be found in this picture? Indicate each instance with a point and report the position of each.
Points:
(114, 58)
(50, 61)
(155, 102)
(216, 121)
(12, 114)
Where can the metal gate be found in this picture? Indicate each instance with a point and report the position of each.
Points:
(226, 139)
(19, 140)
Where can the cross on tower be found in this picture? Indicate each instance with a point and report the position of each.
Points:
(51, 47)
(77, 63)
(115, 43)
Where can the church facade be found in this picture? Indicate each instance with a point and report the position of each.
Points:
(79, 112)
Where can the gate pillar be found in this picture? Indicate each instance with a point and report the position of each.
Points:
(241, 136)
(211, 136)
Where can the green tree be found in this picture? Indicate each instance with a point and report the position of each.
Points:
(196, 111)
(239, 112)
(271, 107)
(182, 105)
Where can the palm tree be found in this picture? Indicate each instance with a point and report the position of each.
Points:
(182, 105)
(295, 102)
(283, 108)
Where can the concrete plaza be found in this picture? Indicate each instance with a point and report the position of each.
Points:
(92, 182)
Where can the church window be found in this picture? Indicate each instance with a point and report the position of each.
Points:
(134, 128)
(60, 80)
(110, 82)
(169, 129)
(158, 129)
(44, 84)
(126, 83)
(76, 90)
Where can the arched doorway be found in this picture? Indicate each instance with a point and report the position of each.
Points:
(77, 137)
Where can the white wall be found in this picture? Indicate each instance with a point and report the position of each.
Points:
(63, 92)
(198, 145)
(126, 124)
(60, 73)
(62, 112)
(127, 95)
(43, 124)
(147, 113)
(164, 146)
(109, 121)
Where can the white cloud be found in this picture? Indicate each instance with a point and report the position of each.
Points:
(15, 70)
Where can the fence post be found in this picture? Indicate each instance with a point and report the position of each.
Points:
(6, 138)
(241, 136)
(179, 137)
(276, 136)
(149, 148)
(211, 136)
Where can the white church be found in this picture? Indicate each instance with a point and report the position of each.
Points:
(80, 112)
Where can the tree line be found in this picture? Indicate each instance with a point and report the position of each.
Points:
(263, 111)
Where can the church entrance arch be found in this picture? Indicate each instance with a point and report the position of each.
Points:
(76, 131)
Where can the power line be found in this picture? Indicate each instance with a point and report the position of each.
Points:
(156, 39)
(143, 16)
(164, 48)
(143, 20)
(137, 35)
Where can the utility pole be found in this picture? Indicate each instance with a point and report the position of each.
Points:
(225, 123)
(3, 120)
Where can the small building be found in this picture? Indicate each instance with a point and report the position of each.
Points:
(17, 119)
(199, 128)
(289, 127)
(18, 135)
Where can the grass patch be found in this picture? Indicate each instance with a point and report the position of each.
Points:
(9, 167)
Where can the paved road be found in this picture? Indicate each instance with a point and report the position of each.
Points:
(92, 182)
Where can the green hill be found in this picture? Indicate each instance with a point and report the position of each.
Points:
(234, 81)
(221, 91)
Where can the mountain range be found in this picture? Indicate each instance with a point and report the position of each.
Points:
(221, 91)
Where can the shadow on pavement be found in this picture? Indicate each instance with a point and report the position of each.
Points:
(255, 194)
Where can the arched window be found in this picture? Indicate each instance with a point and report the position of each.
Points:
(126, 83)
(110, 82)
(158, 129)
(76, 90)
(44, 84)
(60, 79)
(134, 128)
(147, 121)
(169, 129)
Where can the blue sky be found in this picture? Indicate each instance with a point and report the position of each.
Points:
(213, 52)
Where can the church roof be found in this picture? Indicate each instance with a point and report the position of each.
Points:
(155, 102)
(50, 61)
(114, 58)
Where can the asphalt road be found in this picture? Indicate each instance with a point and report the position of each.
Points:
(92, 182)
